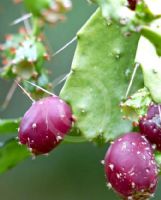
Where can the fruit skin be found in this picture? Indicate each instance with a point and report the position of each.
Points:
(132, 4)
(130, 167)
(45, 124)
(150, 126)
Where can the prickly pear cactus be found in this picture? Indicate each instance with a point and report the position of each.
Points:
(99, 77)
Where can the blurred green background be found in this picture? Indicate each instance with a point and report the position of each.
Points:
(72, 171)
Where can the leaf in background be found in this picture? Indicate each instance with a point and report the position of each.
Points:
(99, 78)
(11, 154)
(153, 34)
(150, 63)
(158, 160)
(9, 125)
(154, 7)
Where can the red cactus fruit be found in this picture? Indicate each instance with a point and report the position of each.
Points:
(45, 124)
(130, 167)
(132, 4)
(150, 125)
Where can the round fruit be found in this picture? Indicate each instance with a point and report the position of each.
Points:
(132, 4)
(150, 125)
(45, 124)
(130, 167)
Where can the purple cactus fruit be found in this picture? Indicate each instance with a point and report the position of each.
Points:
(130, 167)
(132, 4)
(150, 125)
(45, 124)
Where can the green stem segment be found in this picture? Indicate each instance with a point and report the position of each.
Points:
(37, 28)
(9, 126)
(74, 139)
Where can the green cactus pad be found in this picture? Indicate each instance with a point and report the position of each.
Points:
(100, 74)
